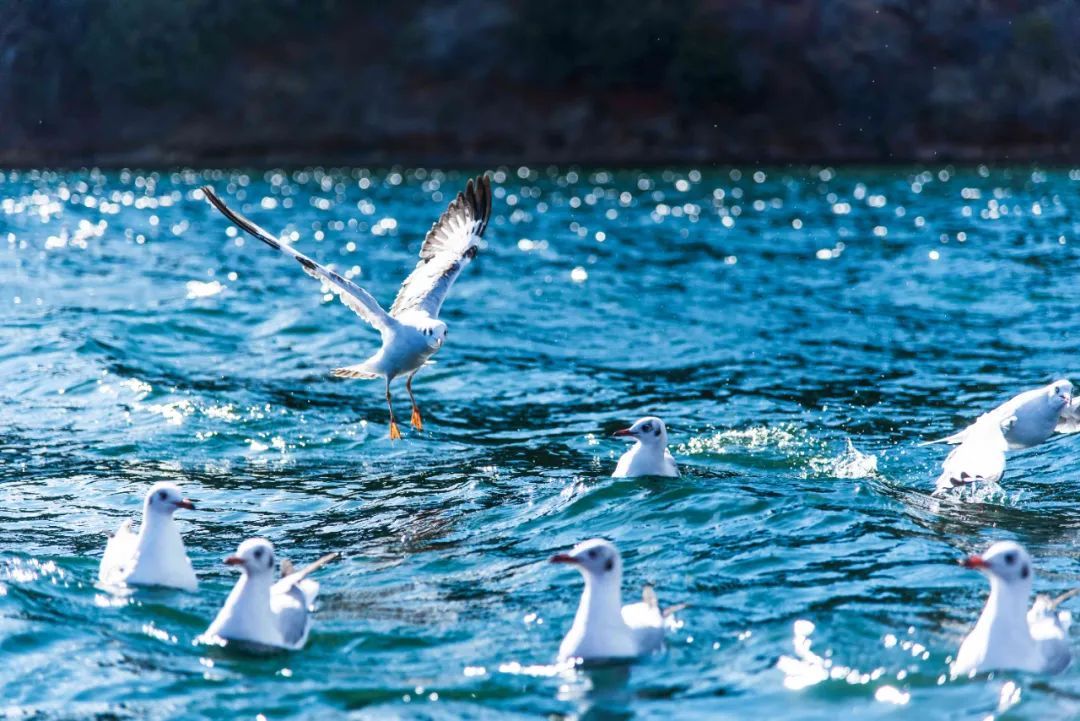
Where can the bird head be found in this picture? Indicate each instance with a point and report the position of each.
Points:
(1061, 393)
(435, 334)
(255, 557)
(596, 558)
(1006, 561)
(164, 498)
(649, 430)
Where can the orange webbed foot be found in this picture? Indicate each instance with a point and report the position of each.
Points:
(416, 420)
(395, 434)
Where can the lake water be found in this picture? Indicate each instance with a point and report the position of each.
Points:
(770, 316)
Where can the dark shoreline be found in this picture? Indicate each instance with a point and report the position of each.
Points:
(117, 161)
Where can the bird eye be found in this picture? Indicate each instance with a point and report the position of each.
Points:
(1010, 558)
(592, 553)
(161, 495)
(258, 553)
(647, 427)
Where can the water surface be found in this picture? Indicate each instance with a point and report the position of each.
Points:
(770, 316)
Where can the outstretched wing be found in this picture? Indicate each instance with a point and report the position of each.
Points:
(352, 295)
(448, 247)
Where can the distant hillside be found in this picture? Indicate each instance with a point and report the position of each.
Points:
(480, 81)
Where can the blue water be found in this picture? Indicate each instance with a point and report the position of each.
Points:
(770, 316)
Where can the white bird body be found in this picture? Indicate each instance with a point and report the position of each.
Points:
(642, 460)
(980, 458)
(649, 455)
(1007, 635)
(406, 348)
(604, 629)
(155, 556)
(1039, 414)
(262, 611)
(411, 331)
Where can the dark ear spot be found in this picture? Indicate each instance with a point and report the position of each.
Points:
(610, 564)
(1025, 571)
(657, 432)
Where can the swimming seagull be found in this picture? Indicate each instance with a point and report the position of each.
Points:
(411, 332)
(1039, 414)
(156, 555)
(603, 628)
(1007, 635)
(980, 458)
(264, 612)
(649, 456)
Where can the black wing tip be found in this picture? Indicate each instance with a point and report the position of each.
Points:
(478, 195)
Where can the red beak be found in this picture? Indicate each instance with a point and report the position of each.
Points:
(623, 432)
(186, 503)
(562, 558)
(234, 561)
(975, 562)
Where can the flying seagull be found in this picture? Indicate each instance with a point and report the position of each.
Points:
(411, 332)
(1040, 413)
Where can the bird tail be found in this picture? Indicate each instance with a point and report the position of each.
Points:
(360, 370)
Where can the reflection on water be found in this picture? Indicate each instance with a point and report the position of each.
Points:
(800, 330)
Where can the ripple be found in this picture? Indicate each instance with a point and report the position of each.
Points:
(143, 339)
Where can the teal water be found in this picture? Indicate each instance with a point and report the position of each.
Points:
(770, 316)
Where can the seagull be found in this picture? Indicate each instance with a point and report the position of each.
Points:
(981, 456)
(1039, 414)
(411, 332)
(156, 555)
(261, 611)
(649, 456)
(1007, 635)
(603, 628)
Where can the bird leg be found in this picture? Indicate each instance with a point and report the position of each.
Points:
(417, 421)
(395, 434)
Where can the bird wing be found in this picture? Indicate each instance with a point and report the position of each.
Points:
(119, 553)
(999, 414)
(645, 621)
(1069, 421)
(292, 613)
(359, 300)
(1050, 628)
(293, 598)
(962, 435)
(980, 458)
(448, 247)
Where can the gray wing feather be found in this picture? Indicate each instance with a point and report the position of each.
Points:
(356, 298)
(448, 247)
(1069, 422)
(294, 616)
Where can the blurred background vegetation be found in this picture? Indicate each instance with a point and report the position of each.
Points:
(482, 81)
